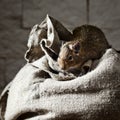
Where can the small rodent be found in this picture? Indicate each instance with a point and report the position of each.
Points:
(88, 43)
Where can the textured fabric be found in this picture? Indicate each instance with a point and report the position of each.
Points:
(94, 96)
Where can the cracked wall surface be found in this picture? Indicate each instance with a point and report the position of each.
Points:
(18, 16)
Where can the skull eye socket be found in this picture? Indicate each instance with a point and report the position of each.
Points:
(70, 58)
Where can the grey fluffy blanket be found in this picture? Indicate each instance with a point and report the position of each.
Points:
(35, 95)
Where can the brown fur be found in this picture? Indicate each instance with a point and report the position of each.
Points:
(88, 43)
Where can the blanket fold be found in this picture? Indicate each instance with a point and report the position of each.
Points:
(94, 96)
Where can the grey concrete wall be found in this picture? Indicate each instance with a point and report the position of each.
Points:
(18, 16)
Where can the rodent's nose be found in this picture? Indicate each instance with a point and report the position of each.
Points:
(61, 63)
(62, 67)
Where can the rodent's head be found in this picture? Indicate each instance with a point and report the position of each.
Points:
(88, 43)
(69, 55)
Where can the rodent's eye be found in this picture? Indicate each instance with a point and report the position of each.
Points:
(76, 52)
(70, 58)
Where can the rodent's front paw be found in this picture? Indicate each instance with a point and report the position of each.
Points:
(66, 76)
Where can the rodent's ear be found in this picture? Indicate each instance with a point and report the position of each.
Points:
(76, 46)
